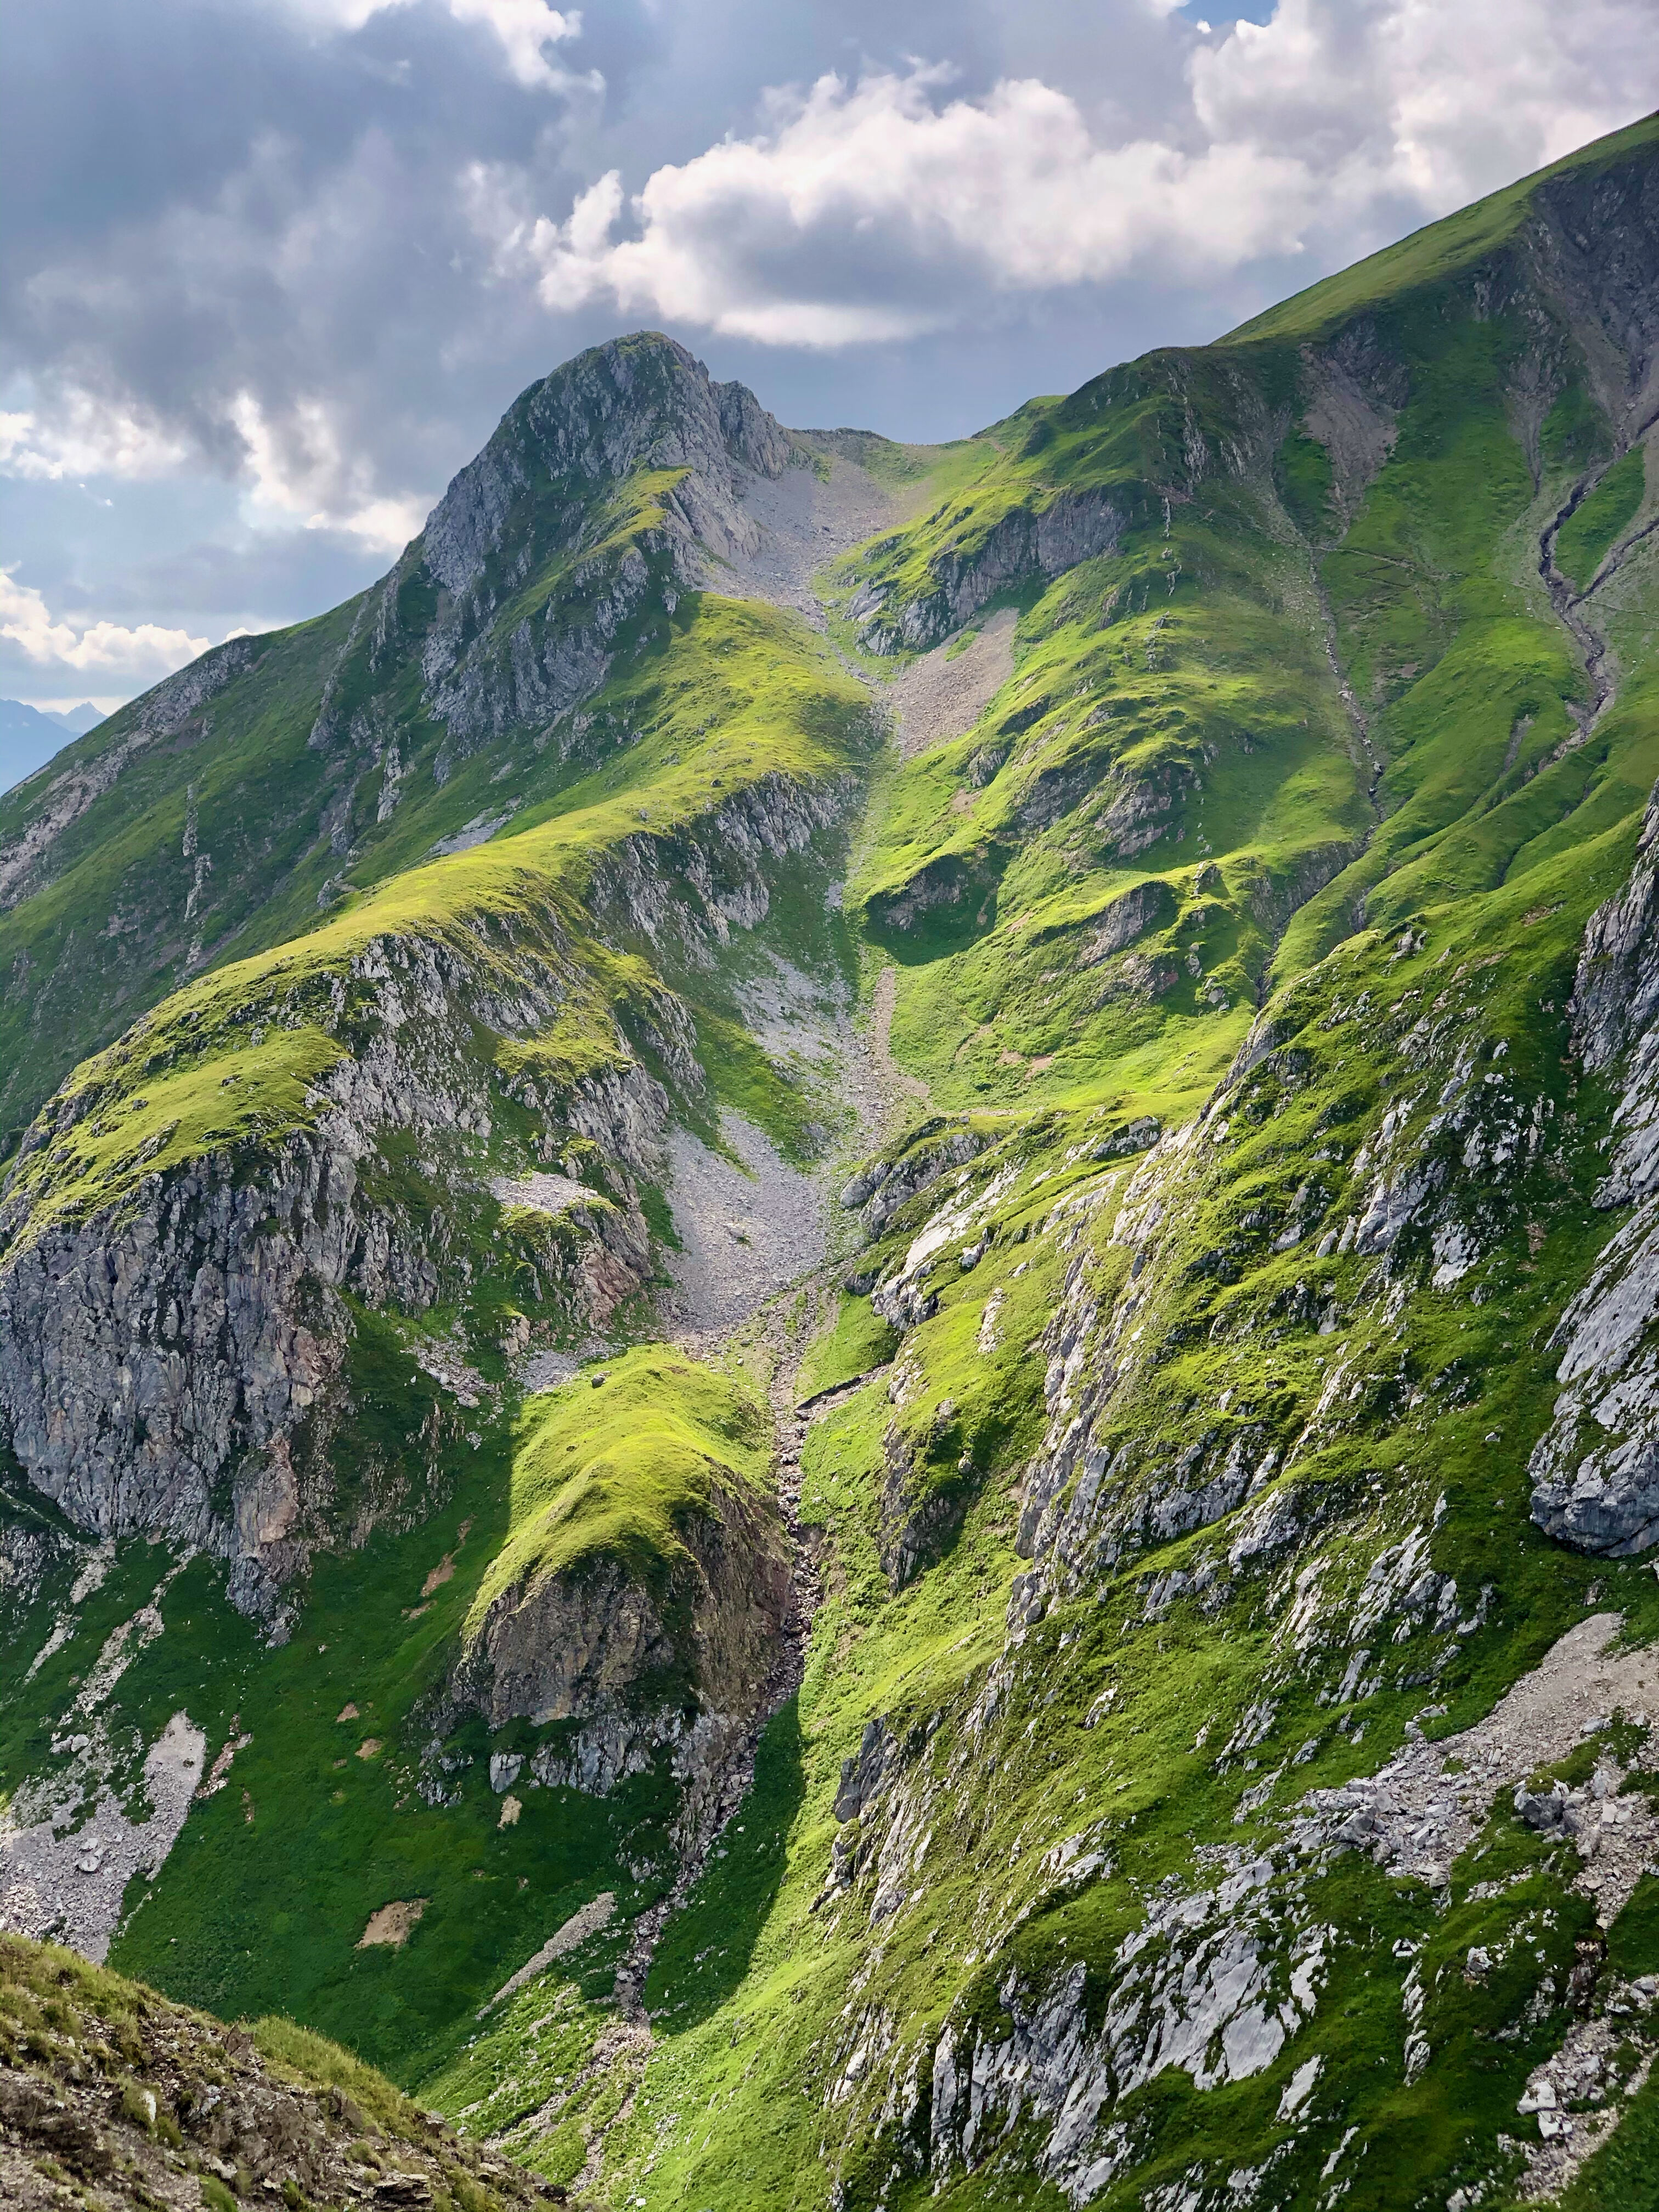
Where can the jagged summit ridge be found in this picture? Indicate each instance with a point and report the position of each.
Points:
(608, 489)
(641, 401)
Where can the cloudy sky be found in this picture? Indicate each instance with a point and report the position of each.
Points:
(271, 269)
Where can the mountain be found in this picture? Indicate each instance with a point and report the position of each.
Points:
(29, 735)
(109, 2087)
(77, 721)
(828, 1355)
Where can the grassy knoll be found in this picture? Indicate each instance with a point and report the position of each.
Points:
(667, 1439)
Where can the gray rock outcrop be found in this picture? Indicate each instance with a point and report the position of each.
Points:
(1595, 1470)
(538, 503)
(1040, 539)
(684, 1660)
(173, 1361)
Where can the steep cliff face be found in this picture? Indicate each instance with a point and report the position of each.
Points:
(1288, 1710)
(685, 1665)
(177, 1268)
(636, 403)
(175, 1333)
(175, 1353)
(1037, 540)
(1595, 1470)
(48, 804)
(609, 489)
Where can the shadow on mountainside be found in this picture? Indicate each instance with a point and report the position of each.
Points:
(706, 1950)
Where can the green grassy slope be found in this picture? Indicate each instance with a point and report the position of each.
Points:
(797, 2033)
(1175, 728)
(1445, 251)
(742, 699)
(1131, 1694)
(321, 770)
(356, 1780)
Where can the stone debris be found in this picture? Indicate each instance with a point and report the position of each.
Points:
(478, 831)
(393, 1924)
(591, 1917)
(942, 693)
(747, 1229)
(444, 1359)
(66, 1877)
(1415, 1818)
(130, 2104)
(545, 1193)
(802, 522)
(1218, 1978)
(91, 1578)
(219, 1773)
(1577, 2096)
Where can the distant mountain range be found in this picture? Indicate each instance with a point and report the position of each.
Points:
(29, 735)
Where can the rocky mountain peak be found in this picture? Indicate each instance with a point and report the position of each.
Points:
(635, 402)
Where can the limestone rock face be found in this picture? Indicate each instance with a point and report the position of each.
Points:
(535, 503)
(884, 1186)
(1260, 961)
(683, 894)
(591, 1639)
(636, 402)
(174, 1363)
(142, 1361)
(1044, 540)
(1595, 1470)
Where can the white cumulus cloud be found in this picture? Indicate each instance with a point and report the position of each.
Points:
(768, 238)
(882, 208)
(298, 472)
(525, 28)
(139, 656)
(78, 434)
